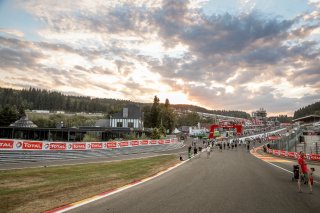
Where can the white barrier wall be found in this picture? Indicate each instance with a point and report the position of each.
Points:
(10, 144)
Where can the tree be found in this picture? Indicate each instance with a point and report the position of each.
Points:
(21, 112)
(147, 116)
(8, 115)
(155, 113)
(168, 117)
(155, 133)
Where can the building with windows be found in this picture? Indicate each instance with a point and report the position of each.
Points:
(130, 116)
(260, 116)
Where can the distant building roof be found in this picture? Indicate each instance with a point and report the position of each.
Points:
(308, 118)
(129, 112)
(103, 123)
(23, 122)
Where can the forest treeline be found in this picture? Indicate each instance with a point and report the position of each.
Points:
(312, 109)
(37, 99)
(232, 113)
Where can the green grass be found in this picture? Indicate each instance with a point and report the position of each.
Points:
(40, 189)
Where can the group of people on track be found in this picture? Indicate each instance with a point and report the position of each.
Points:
(305, 174)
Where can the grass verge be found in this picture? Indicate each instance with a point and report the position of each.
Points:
(40, 189)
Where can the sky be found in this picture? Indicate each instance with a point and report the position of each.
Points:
(218, 54)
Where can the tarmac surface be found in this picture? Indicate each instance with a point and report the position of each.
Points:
(227, 181)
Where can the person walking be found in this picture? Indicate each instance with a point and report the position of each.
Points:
(303, 172)
(208, 151)
(200, 150)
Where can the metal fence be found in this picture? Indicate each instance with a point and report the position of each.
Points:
(288, 142)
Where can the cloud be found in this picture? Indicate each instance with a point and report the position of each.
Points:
(136, 49)
(12, 32)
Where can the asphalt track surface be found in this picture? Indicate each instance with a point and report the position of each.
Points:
(227, 181)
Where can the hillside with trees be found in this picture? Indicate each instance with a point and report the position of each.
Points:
(192, 108)
(36, 99)
(308, 110)
(156, 114)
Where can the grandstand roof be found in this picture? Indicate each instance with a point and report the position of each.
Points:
(308, 118)
(23, 122)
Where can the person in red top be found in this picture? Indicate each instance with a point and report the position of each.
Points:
(303, 171)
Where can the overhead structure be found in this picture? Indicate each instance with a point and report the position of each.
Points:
(308, 119)
(237, 127)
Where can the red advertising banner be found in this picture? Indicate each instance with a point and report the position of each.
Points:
(276, 152)
(291, 154)
(32, 145)
(273, 138)
(134, 143)
(144, 142)
(153, 142)
(111, 145)
(283, 153)
(124, 143)
(315, 157)
(160, 141)
(6, 144)
(79, 146)
(57, 146)
(96, 145)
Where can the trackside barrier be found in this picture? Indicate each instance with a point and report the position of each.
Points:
(12, 144)
(293, 155)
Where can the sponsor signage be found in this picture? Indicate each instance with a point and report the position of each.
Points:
(134, 143)
(111, 145)
(315, 157)
(57, 146)
(96, 145)
(124, 143)
(30, 145)
(160, 141)
(283, 153)
(6, 144)
(291, 154)
(79, 146)
(153, 142)
(9, 144)
(294, 155)
(144, 142)
(273, 138)
(276, 152)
